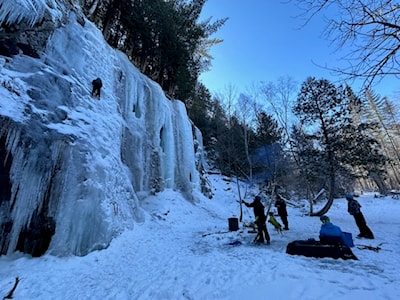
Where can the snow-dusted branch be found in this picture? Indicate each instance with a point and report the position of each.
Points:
(367, 32)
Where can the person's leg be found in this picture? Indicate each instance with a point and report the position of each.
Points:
(360, 224)
(285, 222)
(260, 232)
(364, 229)
(368, 233)
(266, 234)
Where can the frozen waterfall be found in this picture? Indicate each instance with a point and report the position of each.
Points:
(73, 166)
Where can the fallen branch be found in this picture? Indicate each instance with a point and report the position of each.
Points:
(10, 294)
(218, 232)
(369, 247)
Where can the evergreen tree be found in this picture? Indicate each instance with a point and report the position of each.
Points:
(164, 39)
(199, 108)
(266, 149)
(217, 127)
(310, 164)
(267, 132)
(325, 115)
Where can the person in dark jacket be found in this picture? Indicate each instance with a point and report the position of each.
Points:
(259, 214)
(280, 204)
(97, 85)
(354, 209)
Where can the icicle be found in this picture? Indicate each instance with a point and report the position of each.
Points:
(14, 11)
(31, 11)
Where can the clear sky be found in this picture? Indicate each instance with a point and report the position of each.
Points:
(265, 39)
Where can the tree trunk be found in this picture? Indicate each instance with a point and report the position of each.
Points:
(240, 199)
(327, 206)
(332, 183)
(92, 8)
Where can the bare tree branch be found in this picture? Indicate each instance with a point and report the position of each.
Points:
(366, 31)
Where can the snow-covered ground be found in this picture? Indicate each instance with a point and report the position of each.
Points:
(175, 250)
(167, 257)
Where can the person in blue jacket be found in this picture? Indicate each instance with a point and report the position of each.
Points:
(330, 233)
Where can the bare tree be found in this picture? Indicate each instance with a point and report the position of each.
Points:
(380, 110)
(369, 28)
(228, 100)
(246, 116)
(280, 97)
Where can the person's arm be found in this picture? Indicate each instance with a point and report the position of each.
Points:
(321, 233)
(250, 204)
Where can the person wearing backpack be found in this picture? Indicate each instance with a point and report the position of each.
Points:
(97, 85)
(354, 209)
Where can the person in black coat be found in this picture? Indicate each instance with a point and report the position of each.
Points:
(97, 85)
(259, 214)
(354, 209)
(280, 204)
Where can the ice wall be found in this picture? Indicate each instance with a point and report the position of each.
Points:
(74, 163)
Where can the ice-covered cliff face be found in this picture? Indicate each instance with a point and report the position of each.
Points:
(72, 166)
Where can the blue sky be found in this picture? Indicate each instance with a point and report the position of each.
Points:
(265, 39)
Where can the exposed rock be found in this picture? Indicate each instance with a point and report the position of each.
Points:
(8, 47)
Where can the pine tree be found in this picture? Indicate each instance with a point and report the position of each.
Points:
(266, 149)
(344, 147)
(164, 39)
(309, 162)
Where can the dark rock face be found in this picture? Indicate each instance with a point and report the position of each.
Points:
(5, 229)
(35, 239)
(31, 39)
(8, 48)
(5, 165)
(28, 50)
(5, 194)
